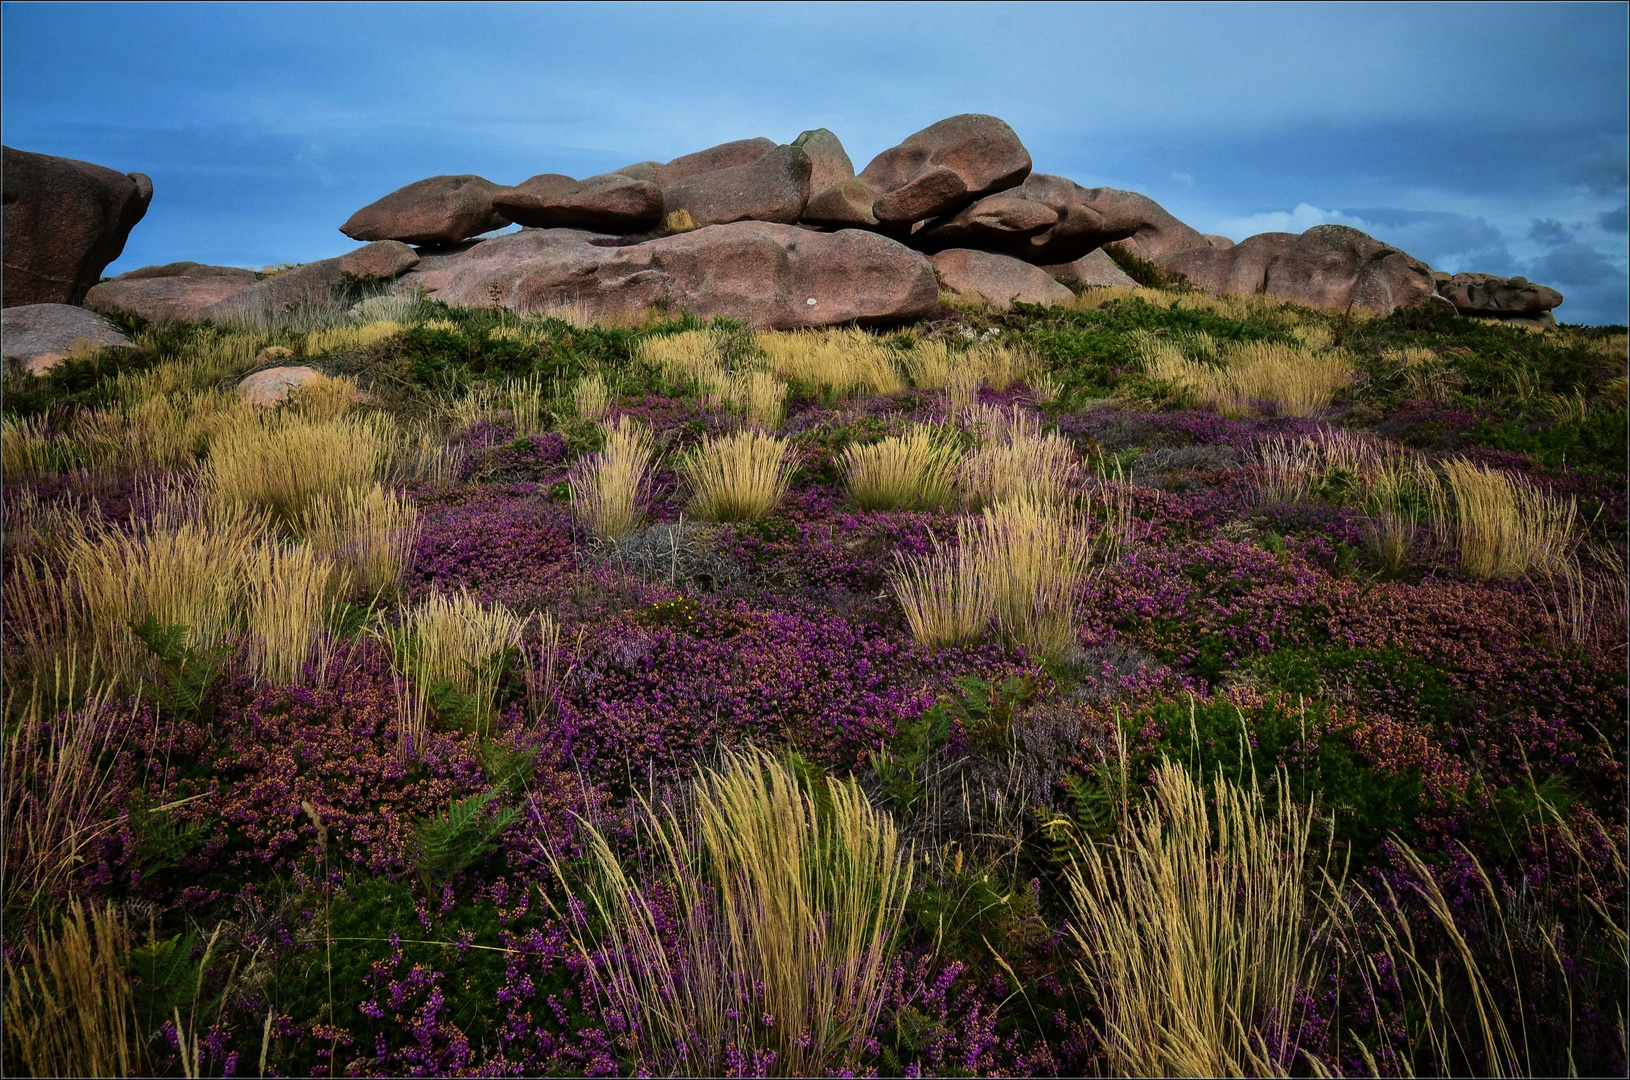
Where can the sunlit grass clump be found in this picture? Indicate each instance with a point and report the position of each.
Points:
(369, 532)
(286, 463)
(1505, 526)
(290, 593)
(835, 361)
(1245, 379)
(609, 486)
(1016, 460)
(448, 644)
(946, 595)
(902, 472)
(785, 902)
(738, 477)
(1193, 922)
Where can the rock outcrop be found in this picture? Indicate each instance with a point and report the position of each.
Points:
(64, 222)
(1329, 266)
(1095, 269)
(770, 275)
(430, 212)
(379, 261)
(41, 336)
(934, 172)
(775, 188)
(173, 291)
(724, 156)
(829, 163)
(611, 202)
(997, 280)
(1485, 296)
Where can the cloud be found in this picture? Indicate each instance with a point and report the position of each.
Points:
(1183, 178)
(1301, 219)
(1616, 221)
(1447, 240)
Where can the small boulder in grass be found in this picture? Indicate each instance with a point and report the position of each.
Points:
(272, 386)
(1094, 270)
(40, 336)
(432, 212)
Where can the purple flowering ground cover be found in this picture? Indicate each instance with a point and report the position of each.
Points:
(267, 842)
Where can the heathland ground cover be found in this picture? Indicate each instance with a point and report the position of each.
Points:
(1153, 684)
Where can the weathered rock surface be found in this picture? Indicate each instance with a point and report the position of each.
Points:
(1095, 269)
(437, 210)
(1329, 266)
(724, 156)
(773, 188)
(998, 280)
(611, 202)
(379, 260)
(1142, 226)
(272, 386)
(934, 172)
(770, 275)
(1000, 222)
(180, 290)
(1217, 241)
(186, 269)
(1486, 296)
(64, 222)
(40, 336)
(829, 163)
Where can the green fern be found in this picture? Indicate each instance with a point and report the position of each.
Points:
(449, 844)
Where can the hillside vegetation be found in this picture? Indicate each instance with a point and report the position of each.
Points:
(1154, 684)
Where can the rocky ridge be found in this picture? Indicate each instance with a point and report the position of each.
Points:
(779, 235)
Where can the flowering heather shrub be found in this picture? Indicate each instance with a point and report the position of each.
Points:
(502, 546)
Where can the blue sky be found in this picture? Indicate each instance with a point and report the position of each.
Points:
(1477, 137)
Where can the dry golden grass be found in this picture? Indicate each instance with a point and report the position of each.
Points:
(211, 358)
(59, 793)
(190, 575)
(69, 1007)
(945, 596)
(761, 397)
(1000, 366)
(1506, 527)
(609, 487)
(368, 532)
(448, 642)
(685, 358)
(289, 593)
(35, 529)
(475, 405)
(836, 361)
(345, 338)
(738, 477)
(284, 464)
(325, 397)
(1426, 375)
(1032, 556)
(591, 399)
(526, 402)
(678, 221)
(934, 365)
(29, 450)
(786, 908)
(1291, 380)
(421, 452)
(1017, 460)
(930, 364)
(903, 472)
(1194, 926)
(1399, 494)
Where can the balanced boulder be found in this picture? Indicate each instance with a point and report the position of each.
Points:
(1142, 226)
(65, 221)
(769, 275)
(381, 260)
(773, 188)
(182, 290)
(41, 336)
(829, 163)
(934, 172)
(431, 212)
(1095, 269)
(611, 202)
(724, 156)
(1486, 296)
(997, 280)
(1329, 266)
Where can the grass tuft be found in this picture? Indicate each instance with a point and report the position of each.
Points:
(913, 471)
(738, 477)
(609, 487)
